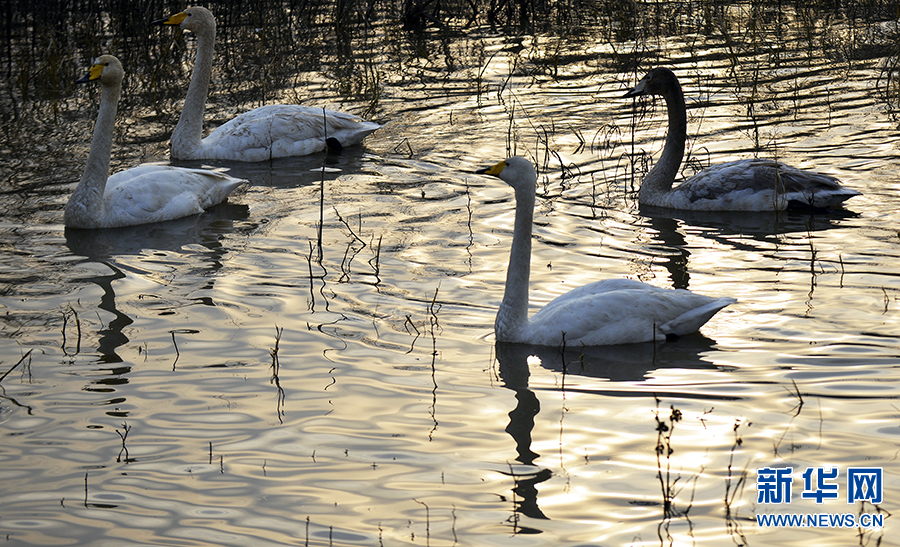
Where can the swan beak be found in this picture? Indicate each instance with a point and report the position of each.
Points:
(174, 20)
(94, 73)
(638, 90)
(493, 170)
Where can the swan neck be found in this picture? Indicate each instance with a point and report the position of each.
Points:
(189, 131)
(87, 199)
(663, 174)
(513, 313)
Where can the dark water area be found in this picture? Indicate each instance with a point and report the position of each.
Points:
(313, 362)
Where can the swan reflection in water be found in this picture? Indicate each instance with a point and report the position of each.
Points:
(120, 250)
(618, 363)
(205, 229)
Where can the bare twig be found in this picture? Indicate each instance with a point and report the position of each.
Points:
(19, 362)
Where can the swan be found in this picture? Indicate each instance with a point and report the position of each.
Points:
(742, 185)
(273, 131)
(612, 311)
(140, 195)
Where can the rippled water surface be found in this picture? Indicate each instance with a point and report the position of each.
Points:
(313, 363)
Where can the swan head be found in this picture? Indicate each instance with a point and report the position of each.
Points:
(107, 69)
(194, 18)
(658, 81)
(515, 171)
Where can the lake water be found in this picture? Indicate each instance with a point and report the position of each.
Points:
(313, 363)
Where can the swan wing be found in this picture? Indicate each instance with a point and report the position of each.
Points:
(757, 185)
(599, 288)
(621, 311)
(154, 193)
(283, 130)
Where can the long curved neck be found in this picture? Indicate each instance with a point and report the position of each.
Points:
(86, 201)
(513, 312)
(663, 174)
(189, 131)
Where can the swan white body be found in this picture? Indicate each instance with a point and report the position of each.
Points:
(742, 185)
(268, 132)
(140, 195)
(613, 311)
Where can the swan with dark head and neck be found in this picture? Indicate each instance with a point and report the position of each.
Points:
(612, 311)
(265, 133)
(743, 185)
(142, 194)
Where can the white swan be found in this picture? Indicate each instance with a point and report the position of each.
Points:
(742, 185)
(143, 194)
(273, 131)
(612, 311)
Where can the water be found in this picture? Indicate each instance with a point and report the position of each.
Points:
(313, 363)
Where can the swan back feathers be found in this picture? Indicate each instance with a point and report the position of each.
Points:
(751, 185)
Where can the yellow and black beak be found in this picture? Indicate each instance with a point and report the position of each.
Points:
(493, 170)
(94, 73)
(176, 19)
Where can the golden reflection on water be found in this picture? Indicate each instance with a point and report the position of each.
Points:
(313, 363)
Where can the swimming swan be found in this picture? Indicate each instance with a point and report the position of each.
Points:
(143, 194)
(612, 311)
(742, 185)
(273, 131)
